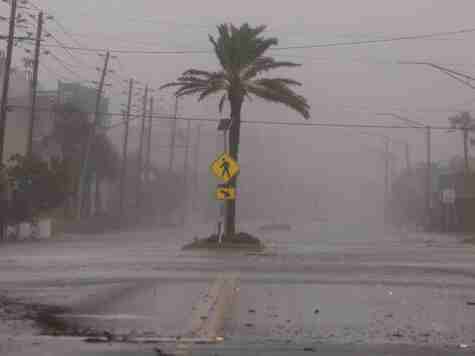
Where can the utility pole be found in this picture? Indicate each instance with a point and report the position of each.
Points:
(4, 103)
(386, 179)
(149, 142)
(34, 83)
(123, 174)
(141, 148)
(173, 138)
(92, 133)
(186, 190)
(408, 158)
(6, 76)
(196, 166)
(465, 149)
(428, 177)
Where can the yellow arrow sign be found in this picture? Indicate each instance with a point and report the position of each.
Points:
(225, 167)
(225, 193)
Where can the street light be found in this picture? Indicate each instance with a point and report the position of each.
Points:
(402, 118)
(387, 157)
(418, 124)
(463, 78)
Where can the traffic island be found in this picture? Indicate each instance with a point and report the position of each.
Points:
(239, 241)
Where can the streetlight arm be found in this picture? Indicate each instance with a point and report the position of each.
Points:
(460, 77)
(441, 68)
(402, 118)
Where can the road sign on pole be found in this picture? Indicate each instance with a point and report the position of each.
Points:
(225, 168)
(448, 196)
(225, 193)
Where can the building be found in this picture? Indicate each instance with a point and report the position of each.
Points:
(45, 116)
(85, 99)
(18, 115)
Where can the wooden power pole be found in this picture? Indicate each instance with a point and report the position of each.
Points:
(173, 138)
(141, 149)
(428, 178)
(3, 107)
(34, 83)
(123, 174)
(148, 164)
(186, 166)
(91, 136)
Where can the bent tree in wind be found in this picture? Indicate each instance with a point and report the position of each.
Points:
(241, 52)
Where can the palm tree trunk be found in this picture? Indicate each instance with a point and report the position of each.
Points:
(234, 138)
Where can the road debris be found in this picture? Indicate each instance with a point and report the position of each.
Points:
(96, 340)
(397, 333)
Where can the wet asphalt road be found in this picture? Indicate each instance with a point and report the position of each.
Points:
(333, 289)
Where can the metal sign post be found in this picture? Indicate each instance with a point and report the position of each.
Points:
(448, 197)
(218, 169)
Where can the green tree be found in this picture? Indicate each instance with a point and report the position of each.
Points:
(241, 52)
(70, 132)
(36, 186)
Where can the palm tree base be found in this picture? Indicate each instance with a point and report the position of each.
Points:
(238, 241)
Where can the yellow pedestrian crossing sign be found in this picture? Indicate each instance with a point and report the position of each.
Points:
(225, 193)
(225, 167)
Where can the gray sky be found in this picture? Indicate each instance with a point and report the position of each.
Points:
(346, 84)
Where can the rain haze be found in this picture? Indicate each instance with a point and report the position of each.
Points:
(354, 226)
(347, 84)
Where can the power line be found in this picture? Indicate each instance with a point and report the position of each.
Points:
(65, 66)
(58, 23)
(310, 46)
(267, 123)
(67, 33)
(68, 51)
(53, 73)
(380, 40)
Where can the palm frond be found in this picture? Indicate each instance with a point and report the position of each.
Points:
(241, 54)
(197, 72)
(277, 82)
(221, 102)
(279, 92)
(265, 64)
(204, 75)
(189, 91)
(212, 89)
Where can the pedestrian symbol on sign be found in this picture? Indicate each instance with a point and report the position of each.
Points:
(225, 167)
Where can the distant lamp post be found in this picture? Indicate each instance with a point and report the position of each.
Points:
(465, 123)
(417, 124)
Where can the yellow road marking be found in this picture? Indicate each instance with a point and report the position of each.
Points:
(209, 314)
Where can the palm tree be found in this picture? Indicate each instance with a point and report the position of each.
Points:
(464, 122)
(241, 54)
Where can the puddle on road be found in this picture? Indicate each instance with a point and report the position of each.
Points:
(160, 310)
